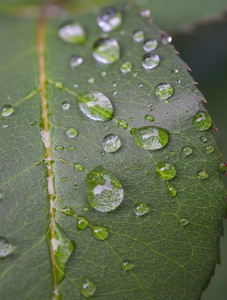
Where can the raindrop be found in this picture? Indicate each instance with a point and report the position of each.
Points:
(59, 148)
(171, 190)
(114, 93)
(111, 143)
(126, 67)
(164, 91)
(75, 61)
(59, 85)
(73, 33)
(76, 186)
(141, 209)
(71, 133)
(175, 71)
(7, 110)
(64, 179)
(202, 175)
(149, 118)
(138, 36)
(166, 39)
(5, 248)
(32, 123)
(130, 119)
(103, 73)
(82, 223)
(71, 148)
(91, 80)
(85, 208)
(95, 106)
(4, 125)
(223, 167)
(75, 85)
(88, 288)
(140, 85)
(106, 50)
(104, 191)
(109, 19)
(210, 149)
(127, 265)
(145, 13)
(183, 222)
(68, 211)
(99, 232)
(202, 121)
(166, 170)
(150, 60)
(150, 107)
(150, 45)
(150, 137)
(123, 124)
(79, 167)
(186, 150)
(178, 80)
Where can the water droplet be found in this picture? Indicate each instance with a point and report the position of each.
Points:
(171, 190)
(4, 125)
(7, 110)
(32, 123)
(67, 210)
(106, 50)
(141, 209)
(202, 121)
(99, 232)
(166, 170)
(71, 133)
(111, 143)
(126, 67)
(175, 71)
(79, 167)
(76, 186)
(103, 73)
(75, 85)
(95, 106)
(5, 248)
(149, 118)
(210, 149)
(138, 36)
(104, 191)
(85, 208)
(150, 60)
(73, 33)
(130, 119)
(71, 148)
(186, 150)
(82, 223)
(60, 199)
(75, 61)
(88, 288)
(150, 137)
(127, 265)
(114, 93)
(178, 80)
(140, 85)
(91, 80)
(109, 19)
(202, 175)
(150, 107)
(59, 148)
(123, 124)
(164, 91)
(223, 167)
(106, 128)
(145, 13)
(183, 222)
(59, 85)
(203, 139)
(166, 39)
(150, 45)
(64, 179)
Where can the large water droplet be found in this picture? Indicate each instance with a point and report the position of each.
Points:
(123, 124)
(202, 175)
(104, 191)
(99, 232)
(150, 45)
(202, 121)
(186, 150)
(141, 209)
(7, 110)
(109, 19)
(73, 33)
(150, 137)
(164, 91)
(88, 288)
(79, 167)
(82, 223)
(126, 67)
(138, 36)
(5, 248)
(75, 61)
(127, 265)
(71, 133)
(171, 190)
(150, 60)
(106, 50)
(166, 39)
(166, 170)
(111, 143)
(96, 106)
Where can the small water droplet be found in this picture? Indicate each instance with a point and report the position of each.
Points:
(123, 124)
(71, 148)
(183, 222)
(88, 288)
(127, 265)
(203, 139)
(75, 85)
(140, 85)
(79, 167)
(111, 143)
(171, 190)
(99, 232)
(68, 211)
(91, 80)
(109, 19)
(7, 110)
(166, 170)
(166, 39)
(95, 105)
(106, 128)
(178, 80)
(85, 208)
(73, 33)
(59, 85)
(4, 125)
(126, 67)
(202, 121)
(59, 148)
(104, 191)
(145, 13)
(114, 93)
(75, 61)
(106, 50)
(223, 167)
(5, 248)
(186, 150)
(149, 118)
(141, 209)
(164, 91)
(75, 186)
(71, 133)
(210, 149)
(150, 107)
(150, 60)
(32, 123)
(82, 223)
(64, 179)
(175, 71)
(202, 175)
(150, 137)
(60, 199)
(138, 36)
(103, 73)
(130, 119)
(150, 45)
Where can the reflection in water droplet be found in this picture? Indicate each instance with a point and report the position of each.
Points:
(210, 149)
(127, 265)
(183, 222)
(104, 191)
(150, 45)
(171, 190)
(175, 71)
(79, 167)
(106, 50)
(203, 139)
(109, 19)
(202, 175)
(223, 167)
(76, 186)
(166, 39)
(150, 137)
(73, 33)
(202, 121)
(67, 210)
(164, 91)
(145, 13)
(82, 223)
(166, 170)
(186, 150)
(96, 106)
(141, 209)
(88, 288)
(149, 118)
(126, 67)
(75, 61)
(59, 148)
(32, 123)
(71, 133)
(7, 110)
(138, 36)
(99, 232)
(5, 248)
(178, 80)
(111, 143)
(71, 148)
(123, 124)
(150, 60)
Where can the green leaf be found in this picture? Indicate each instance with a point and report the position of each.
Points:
(170, 251)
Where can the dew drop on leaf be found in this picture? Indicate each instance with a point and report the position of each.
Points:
(140, 209)
(59, 85)
(75, 61)
(111, 143)
(123, 124)
(138, 36)
(183, 222)
(186, 150)
(150, 45)
(32, 123)
(73, 33)
(103, 73)
(71, 148)
(88, 288)
(166, 170)
(104, 191)
(95, 106)
(202, 121)
(5, 248)
(127, 265)
(166, 39)
(67, 210)
(79, 167)
(203, 139)
(210, 149)
(82, 222)
(145, 13)
(126, 67)
(175, 71)
(164, 91)
(150, 60)
(76, 186)
(99, 232)
(223, 167)
(202, 175)
(171, 190)
(71, 132)
(151, 137)
(109, 19)
(7, 110)
(149, 118)
(106, 50)
(91, 80)
(64, 179)
(59, 148)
